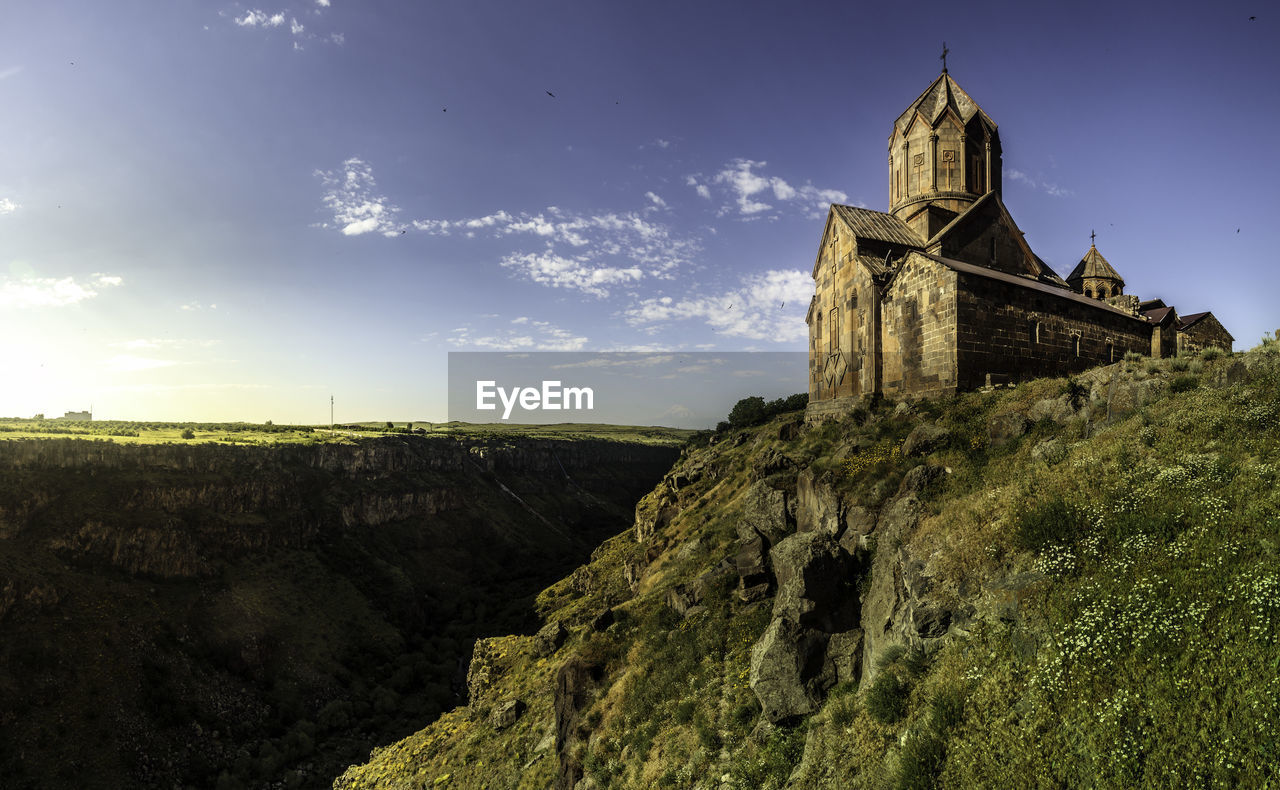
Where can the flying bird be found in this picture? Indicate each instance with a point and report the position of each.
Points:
(784, 304)
(1237, 230)
(730, 307)
(1253, 19)
(552, 95)
(402, 232)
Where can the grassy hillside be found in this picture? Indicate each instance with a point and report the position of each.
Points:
(1070, 583)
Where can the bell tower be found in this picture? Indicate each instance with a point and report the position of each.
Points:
(944, 153)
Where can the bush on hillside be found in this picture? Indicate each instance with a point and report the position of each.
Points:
(754, 410)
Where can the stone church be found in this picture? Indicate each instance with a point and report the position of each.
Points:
(942, 293)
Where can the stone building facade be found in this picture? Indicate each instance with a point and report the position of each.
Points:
(942, 293)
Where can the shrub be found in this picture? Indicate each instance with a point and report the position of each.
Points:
(187, 433)
(1183, 383)
(887, 698)
(920, 762)
(1179, 364)
(1132, 356)
(1048, 522)
(1211, 353)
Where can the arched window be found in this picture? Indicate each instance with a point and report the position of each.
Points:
(1111, 351)
(1034, 331)
(817, 338)
(1075, 344)
(1088, 292)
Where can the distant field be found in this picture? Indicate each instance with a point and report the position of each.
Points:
(267, 433)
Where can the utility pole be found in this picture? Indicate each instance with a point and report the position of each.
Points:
(331, 415)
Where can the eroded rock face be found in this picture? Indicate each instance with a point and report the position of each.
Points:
(789, 672)
(1057, 410)
(575, 681)
(506, 714)
(752, 565)
(765, 512)
(818, 506)
(815, 582)
(812, 641)
(924, 439)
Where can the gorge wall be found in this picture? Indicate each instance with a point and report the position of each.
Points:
(215, 615)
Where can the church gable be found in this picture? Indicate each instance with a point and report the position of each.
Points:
(986, 235)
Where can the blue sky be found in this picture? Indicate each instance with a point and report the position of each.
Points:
(221, 211)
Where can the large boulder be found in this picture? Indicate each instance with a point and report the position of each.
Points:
(1005, 428)
(816, 584)
(506, 714)
(924, 439)
(752, 564)
(1058, 410)
(818, 506)
(765, 512)
(789, 673)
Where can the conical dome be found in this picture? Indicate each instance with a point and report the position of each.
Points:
(1094, 276)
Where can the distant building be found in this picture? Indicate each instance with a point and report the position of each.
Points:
(76, 415)
(942, 293)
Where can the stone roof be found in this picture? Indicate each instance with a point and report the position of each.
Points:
(875, 265)
(1094, 265)
(1157, 315)
(1187, 320)
(944, 92)
(877, 225)
(1027, 282)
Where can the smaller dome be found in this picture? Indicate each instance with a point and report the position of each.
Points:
(1093, 267)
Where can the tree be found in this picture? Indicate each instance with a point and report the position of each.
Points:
(187, 433)
(748, 411)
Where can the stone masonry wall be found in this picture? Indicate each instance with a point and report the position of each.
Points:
(1202, 334)
(998, 334)
(919, 330)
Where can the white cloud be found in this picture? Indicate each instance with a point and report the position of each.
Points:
(655, 200)
(295, 28)
(531, 335)
(1053, 190)
(192, 307)
(575, 273)
(586, 252)
(749, 189)
(9, 72)
(338, 38)
(260, 19)
(7, 206)
(756, 310)
(30, 292)
(322, 3)
(357, 208)
(662, 143)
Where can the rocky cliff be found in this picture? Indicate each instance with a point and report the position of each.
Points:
(1064, 583)
(207, 614)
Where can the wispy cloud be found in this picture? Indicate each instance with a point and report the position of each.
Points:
(7, 206)
(351, 194)
(9, 72)
(260, 19)
(36, 292)
(756, 310)
(522, 333)
(748, 190)
(585, 252)
(657, 201)
(1051, 189)
(191, 307)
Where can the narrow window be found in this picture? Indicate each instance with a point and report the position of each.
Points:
(1111, 351)
(833, 343)
(1034, 331)
(817, 340)
(1088, 292)
(1075, 344)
